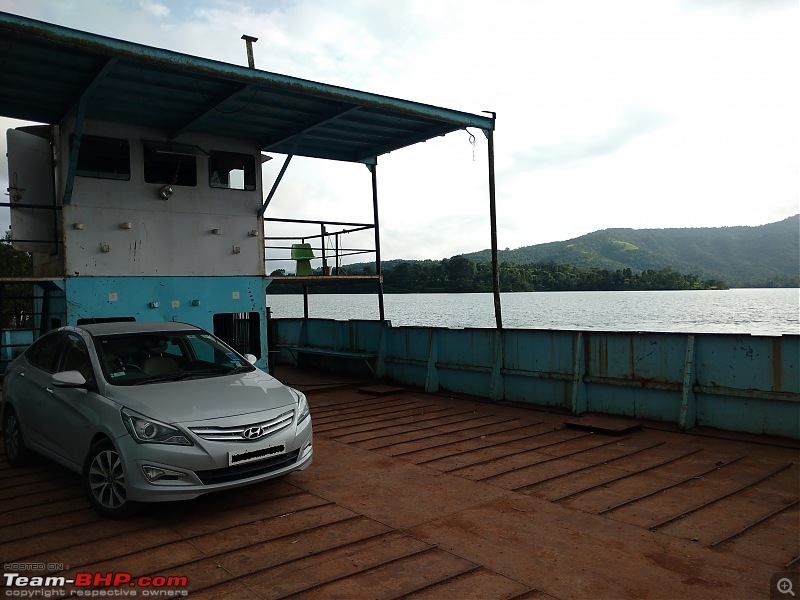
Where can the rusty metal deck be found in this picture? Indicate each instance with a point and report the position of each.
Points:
(414, 495)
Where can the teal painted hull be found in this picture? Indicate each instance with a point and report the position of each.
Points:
(733, 382)
(192, 300)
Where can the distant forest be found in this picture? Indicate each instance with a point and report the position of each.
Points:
(459, 274)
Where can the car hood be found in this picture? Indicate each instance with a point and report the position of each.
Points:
(201, 399)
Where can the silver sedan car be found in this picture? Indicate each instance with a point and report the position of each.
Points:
(149, 412)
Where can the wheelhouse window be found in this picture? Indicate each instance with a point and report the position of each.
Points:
(231, 170)
(104, 158)
(173, 164)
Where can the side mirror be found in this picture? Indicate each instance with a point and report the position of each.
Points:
(250, 358)
(69, 379)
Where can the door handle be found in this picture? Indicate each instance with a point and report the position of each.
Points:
(50, 390)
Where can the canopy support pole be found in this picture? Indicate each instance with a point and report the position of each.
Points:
(373, 168)
(498, 314)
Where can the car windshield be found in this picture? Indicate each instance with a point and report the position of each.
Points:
(151, 357)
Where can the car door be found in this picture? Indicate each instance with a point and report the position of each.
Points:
(28, 386)
(71, 410)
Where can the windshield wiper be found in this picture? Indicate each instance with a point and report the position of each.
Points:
(176, 377)
(191, 374)
(161, 378)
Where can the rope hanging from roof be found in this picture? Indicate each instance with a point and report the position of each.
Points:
(472, 141)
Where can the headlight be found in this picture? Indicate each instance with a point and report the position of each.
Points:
(149, 431)
(302, 405)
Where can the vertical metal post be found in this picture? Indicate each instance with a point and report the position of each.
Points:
(323, 235)
(338, 258)
(580, 401)
(498, 315)
(688, 413)
(248, 40)
(305, 301)
(270, 342)
(374, 170)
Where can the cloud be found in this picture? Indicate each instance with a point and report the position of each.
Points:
(741, 7)
(635, 125)
(156, 9)
(436, 238)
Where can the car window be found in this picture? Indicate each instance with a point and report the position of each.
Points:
(44, 352)
(208, 349)
(75, 357)
(137, 358)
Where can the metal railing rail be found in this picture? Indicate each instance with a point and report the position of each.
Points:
(322, 249)
(26, 309)
(23, 314)
(56, 209)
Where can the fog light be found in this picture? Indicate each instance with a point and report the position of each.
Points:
(156, 473)
(306, 451)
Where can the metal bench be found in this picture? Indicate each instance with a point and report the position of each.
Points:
(295, 351)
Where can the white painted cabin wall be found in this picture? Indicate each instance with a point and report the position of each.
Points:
(167, 237)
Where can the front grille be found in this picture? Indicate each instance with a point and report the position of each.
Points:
(251, 469)
(236, 434)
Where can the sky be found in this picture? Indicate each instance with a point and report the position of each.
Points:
(612, 114)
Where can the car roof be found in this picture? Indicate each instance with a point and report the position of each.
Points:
(119, 327)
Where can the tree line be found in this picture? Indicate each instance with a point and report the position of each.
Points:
(459, 274)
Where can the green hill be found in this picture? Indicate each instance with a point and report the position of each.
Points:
(766, 255)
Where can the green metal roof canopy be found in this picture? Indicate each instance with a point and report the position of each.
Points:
(45, 70)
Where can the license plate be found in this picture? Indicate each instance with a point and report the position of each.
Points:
(237, 458)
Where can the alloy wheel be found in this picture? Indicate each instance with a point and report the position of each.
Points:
(17, 453)
(12, 437)
(107, 480)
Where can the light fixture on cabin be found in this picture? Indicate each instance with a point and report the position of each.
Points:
(78, 226)
(216, 232)
(165, 192)
(126, 225)
(237, 249)
(105, 247)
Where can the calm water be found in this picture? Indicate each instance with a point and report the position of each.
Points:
(753, 311)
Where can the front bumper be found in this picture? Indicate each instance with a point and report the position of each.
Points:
(195, 470)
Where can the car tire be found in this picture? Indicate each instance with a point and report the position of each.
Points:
(17, 453)
(104, 482)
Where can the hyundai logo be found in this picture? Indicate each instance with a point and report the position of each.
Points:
(253, 433)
